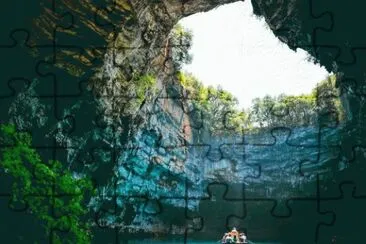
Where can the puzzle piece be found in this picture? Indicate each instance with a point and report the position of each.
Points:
(19, 227)
(341, 22)
(71, 30)
(31, 114)
(16, 86)
(274, 218)
(156, 215)
(350, 166)
(278, 156)
(348, 208)
(37, 184)
(231, 204)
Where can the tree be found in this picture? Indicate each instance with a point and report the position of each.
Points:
(261, 111)
(218, 107)
(180, 41)
(323, 104)
(329, 105)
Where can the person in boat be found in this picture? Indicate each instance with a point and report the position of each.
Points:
(235, 234)
(224, 237)
(242, 237)
(228, 238)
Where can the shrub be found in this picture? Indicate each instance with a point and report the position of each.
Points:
(51, 192)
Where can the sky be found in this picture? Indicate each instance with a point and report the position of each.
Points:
(234, 49)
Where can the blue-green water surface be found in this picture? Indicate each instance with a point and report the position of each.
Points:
(190, 242)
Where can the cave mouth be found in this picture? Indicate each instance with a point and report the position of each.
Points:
(236, 51)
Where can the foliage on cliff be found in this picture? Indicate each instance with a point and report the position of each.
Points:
(216, 104)
(328, 99)
(283, 110)
(180, 42)
(141, 86)
(321, 105)
(50, 192)
(220, 110)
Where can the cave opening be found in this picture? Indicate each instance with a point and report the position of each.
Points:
(276, 89)
(235, 51)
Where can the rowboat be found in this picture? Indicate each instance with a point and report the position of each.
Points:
(234, 236)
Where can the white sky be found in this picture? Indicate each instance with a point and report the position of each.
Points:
(233, 48)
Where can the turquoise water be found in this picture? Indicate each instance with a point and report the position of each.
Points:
(190, 242)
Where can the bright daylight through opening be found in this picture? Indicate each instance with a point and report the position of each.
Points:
(236, 50)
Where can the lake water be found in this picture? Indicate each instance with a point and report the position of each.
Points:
(190, 242)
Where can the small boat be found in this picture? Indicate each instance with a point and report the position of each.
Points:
(234, 237)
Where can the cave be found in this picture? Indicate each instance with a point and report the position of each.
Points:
(226, 46)
(76, 93)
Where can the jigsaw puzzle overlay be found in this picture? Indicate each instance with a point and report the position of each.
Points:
(104, 139)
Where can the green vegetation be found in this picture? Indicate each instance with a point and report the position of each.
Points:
(284, 110)
(142, 84)
(180, 41)
(216, 104)
(220, 110)
(328, 101)
(52, 193)
(133, 92)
